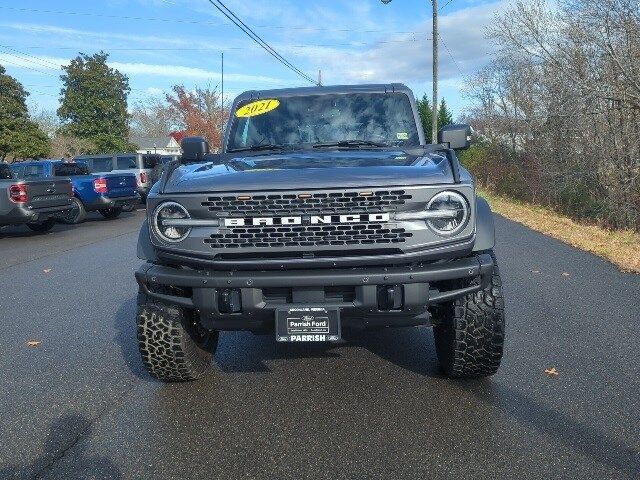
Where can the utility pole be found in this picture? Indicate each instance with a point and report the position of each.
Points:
(434, 120)
(319, 78)
(221, 100)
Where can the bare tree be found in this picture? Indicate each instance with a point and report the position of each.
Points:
(152, 118)
(559, 108)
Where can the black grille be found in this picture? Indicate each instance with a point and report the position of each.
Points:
(317, 203)
(308, 236)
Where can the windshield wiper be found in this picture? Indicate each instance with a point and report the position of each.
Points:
(350, 144)
(256, 148)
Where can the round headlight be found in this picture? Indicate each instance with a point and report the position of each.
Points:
(450, 213)
(167, 222)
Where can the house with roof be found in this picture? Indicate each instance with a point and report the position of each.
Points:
(169, 145)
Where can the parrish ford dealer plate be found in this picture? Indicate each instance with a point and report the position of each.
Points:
(308, 324)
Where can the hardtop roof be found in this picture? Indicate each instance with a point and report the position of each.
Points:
(320, 90)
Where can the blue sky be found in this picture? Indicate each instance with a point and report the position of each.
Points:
(159, 43)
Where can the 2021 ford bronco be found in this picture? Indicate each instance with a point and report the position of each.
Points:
(325, 209)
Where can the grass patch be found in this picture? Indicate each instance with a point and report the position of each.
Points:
(621, 247)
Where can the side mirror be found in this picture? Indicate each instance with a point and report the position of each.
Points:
(194, 149)
(457, 135)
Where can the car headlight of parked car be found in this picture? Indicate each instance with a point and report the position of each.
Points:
(171, 222)
(447, 213)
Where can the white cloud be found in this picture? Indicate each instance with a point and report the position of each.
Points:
(408, 57)
(76, 33)
(154, 91)
(46, 65)
(179, 71)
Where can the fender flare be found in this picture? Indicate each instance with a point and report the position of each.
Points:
(485, 227)
(145, 250)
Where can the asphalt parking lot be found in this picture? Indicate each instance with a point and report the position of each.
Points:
(80, 404)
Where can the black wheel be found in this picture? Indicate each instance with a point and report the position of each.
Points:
(470, 333)
(110, 213)
(77, 215)
(42, 227)
(173, 345)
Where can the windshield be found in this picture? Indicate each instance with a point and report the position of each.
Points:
(360, 119)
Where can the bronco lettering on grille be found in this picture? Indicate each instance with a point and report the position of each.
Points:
(306, 220)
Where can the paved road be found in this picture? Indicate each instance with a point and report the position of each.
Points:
(81, 406)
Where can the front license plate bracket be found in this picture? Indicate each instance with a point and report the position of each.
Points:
(308, 324)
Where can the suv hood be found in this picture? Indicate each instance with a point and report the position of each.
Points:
(311, 170)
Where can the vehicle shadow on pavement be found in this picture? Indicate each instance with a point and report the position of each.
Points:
(552, 422)
(24, 232)
(65, 433)
(21, 231)
(410, 348)
(247, 352)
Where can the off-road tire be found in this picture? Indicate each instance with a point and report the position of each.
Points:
(172, 346)
(469, 336)
(110, 213)
(42, 227)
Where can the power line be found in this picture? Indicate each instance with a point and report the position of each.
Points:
(195, 22)
(216, 48)
(447, 3)
(256, 38)
(19, 62)
(455, 62)
(41, 60)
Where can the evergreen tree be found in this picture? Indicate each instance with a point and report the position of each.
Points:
(444, 115)
(19, 136)
(94, 103)
(426, 114)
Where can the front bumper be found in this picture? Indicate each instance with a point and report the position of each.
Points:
(21, 214)
(356, 291)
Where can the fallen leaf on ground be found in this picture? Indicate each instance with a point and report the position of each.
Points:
(552, 372)
(46, 270)
(565, 274)
(33, 343)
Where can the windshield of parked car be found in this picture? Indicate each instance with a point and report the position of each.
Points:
(358, 120)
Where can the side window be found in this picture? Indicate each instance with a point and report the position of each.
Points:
(150, 161)
(126, 163)
(101, 164)
(5, 172)
(33, 171)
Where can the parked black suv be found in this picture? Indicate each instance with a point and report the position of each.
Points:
(325, 210)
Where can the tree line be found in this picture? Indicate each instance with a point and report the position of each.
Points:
(557, 113)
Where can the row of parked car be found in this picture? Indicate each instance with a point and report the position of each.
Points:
(40, 193)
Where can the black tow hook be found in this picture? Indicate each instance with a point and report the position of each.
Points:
(389, 297)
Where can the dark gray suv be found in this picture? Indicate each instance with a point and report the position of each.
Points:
(326, 210)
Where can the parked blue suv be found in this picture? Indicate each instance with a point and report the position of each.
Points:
(108, 194)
